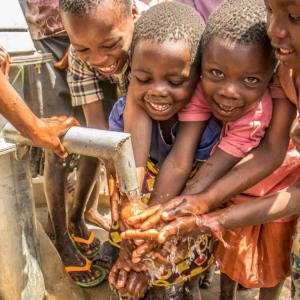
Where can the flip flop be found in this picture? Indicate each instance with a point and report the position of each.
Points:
(87, 268)
(79, 241)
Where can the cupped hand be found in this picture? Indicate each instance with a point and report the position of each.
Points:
(184, 205)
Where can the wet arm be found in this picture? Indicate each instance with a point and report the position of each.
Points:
(177, 166)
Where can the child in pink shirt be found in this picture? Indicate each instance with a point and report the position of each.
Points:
(238, 137)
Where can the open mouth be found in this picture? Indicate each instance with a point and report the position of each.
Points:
(284, 54)
(111, 69)
(159, 107)
(226, 108)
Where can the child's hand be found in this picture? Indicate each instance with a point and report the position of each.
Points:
(131, 208)
(4, 61)
(180, 206)
(132, 285)
(48, 132)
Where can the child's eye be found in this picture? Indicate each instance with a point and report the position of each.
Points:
(110, 45)
(294, 18)
(142, 80)
(217, 73)
(251, 80)
(176, 83)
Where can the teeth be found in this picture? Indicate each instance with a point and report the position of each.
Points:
(108, 69)
(226, 108)
(159, 107)
(285, 50)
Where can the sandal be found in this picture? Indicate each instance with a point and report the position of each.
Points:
(87, 268)
(78, 241)
(107, 256)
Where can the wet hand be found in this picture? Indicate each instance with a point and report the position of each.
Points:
(48, 132)
(180, 206)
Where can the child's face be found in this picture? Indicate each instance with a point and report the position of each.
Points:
(234, 77)
(284, 30)
(102, 37)
(162, 78)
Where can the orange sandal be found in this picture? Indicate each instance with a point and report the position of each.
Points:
(81, 241)
(87, 268)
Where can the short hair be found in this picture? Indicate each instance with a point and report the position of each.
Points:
(84, 7)
(170, 21)
(238, 21)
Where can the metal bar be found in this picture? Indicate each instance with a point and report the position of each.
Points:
(105, 144)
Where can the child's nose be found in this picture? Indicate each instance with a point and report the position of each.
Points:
(276, 27)
(158, 91)
(229, 90)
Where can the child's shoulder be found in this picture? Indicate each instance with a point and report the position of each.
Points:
(283, 85)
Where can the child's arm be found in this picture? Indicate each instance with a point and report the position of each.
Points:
(139, 125)
(43, 132)
(176, 168)
(257, 165)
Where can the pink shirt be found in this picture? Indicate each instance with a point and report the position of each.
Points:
(203, 7)
(237, 137)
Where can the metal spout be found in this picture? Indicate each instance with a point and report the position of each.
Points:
(105, 144)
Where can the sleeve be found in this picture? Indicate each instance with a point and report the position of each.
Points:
(245, 134)
(197, 109)
(116, 120)
(83, 82)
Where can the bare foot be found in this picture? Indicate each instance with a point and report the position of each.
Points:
(94, 217)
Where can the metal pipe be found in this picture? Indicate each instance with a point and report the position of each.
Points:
(105, 144)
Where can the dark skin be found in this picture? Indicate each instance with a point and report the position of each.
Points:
(231, 89)
(160, 92)
(283, 32)
(102, 37)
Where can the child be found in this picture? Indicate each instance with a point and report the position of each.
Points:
(226, 103)
(283, 32)
(164, 65)
(90, 75)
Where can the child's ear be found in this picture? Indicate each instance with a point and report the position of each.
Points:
(134, 12)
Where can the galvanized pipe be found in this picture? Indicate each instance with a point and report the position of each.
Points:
(105, 144)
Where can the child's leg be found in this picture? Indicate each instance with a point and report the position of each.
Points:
(91, 213)
(88, 170)
(207, 277)
(55, 176)
(191, 289)
(228, 288)
(172, 292)
(271, 293)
